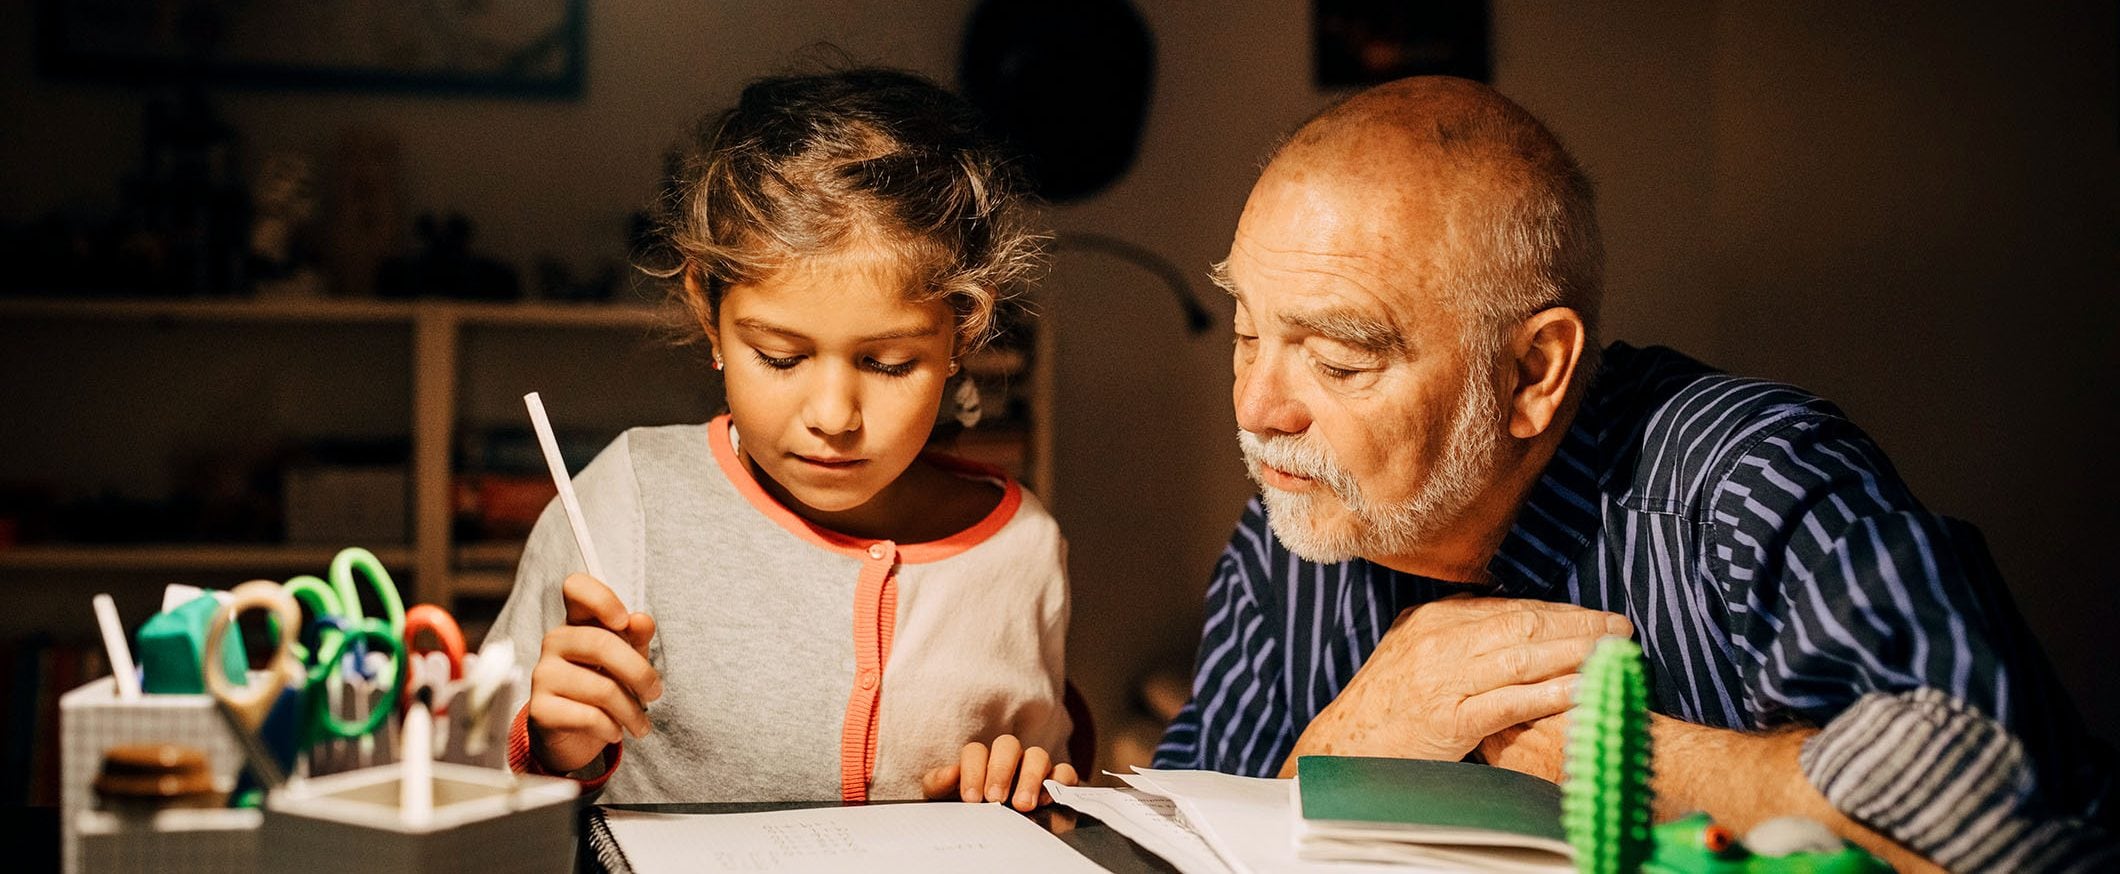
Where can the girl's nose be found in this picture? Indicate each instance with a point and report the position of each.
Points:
(834, 405)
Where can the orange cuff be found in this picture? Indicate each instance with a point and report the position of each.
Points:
(520, 759)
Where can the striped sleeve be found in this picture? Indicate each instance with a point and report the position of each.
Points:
(1981, 809)
(1859, 611)
(1237, 721)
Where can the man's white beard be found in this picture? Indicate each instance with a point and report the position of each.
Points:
(1464, 466)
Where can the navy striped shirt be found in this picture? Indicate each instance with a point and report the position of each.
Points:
(1778, 573)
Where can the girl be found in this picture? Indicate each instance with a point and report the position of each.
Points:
(824, 610)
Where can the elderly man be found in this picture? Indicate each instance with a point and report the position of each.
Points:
(1462, 492)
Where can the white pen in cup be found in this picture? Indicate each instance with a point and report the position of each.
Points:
(416, 762)
(121, 661)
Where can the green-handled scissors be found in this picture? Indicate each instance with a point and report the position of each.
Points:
(337, 606)
(340, 598)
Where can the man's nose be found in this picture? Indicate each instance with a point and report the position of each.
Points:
(834, 403)
(1264, 404)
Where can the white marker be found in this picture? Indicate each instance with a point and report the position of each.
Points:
(121, 663)
(416, 764)
(550, 445)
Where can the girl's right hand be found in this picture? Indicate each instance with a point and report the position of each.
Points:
(592, 681)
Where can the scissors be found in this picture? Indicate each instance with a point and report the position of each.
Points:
(266, 711)
(344, 636)
(428, 617)
(340, 597)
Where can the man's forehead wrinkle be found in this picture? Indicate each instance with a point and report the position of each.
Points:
(1371, 312)
(1339, 266)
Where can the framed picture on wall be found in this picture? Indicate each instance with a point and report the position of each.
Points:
(529, 48)
(1366, 42)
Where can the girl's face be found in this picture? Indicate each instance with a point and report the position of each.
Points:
(834, 376)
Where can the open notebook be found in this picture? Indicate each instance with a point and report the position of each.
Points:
(1408, 810)
(1388, 821)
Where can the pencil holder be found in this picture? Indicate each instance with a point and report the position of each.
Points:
(484, 819)
(182, 841)
(92, 719)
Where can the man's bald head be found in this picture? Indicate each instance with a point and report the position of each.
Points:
(1455, 164)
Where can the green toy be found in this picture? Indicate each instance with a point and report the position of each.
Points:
(1606, 799)
(1694, 843)
(1605, 803)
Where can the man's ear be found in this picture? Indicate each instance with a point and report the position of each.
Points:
(1545, 351)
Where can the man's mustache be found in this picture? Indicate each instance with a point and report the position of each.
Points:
(1293, 455)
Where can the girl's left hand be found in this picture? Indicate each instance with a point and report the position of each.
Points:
(1007, 772)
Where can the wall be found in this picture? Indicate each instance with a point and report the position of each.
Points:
(1914, 217)
(1912, 214)
(1919, 217)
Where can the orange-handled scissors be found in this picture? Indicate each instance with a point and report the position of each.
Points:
(429, 617)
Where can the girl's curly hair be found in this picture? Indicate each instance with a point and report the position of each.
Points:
(807, 164)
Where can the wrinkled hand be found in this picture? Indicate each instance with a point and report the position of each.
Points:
(1450, 673)
(1008, 772)
(1538, 747)
(592, 679)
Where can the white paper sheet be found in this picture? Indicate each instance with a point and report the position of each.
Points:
(877, 839)
(1149, 820)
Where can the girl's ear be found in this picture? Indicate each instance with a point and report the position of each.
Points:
(711, 323)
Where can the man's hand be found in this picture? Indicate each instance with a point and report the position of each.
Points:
(592, 679)
(1450, 673)
(1538, 747)
(1008, 772)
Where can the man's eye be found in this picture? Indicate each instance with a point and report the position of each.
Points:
(899, 369)
(1246, 339)
(1336, 373)
(777, 363)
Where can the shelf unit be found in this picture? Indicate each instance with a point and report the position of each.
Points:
(441, 568)
(437, 335)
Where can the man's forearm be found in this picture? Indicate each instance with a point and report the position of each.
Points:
(1744, 779)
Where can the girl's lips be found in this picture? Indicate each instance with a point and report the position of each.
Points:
(830, 463)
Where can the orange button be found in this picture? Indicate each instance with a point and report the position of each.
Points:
(868, 680)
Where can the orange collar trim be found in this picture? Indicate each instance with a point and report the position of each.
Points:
(857, 547)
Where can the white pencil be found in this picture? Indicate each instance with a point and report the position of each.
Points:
(550, 445)
(121, 663)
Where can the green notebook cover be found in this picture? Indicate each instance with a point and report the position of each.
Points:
(1426, 795)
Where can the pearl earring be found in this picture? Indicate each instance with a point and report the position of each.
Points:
(717, 361)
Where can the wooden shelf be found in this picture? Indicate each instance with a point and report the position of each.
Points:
(239, 557)
(432, 567)
(337, 311)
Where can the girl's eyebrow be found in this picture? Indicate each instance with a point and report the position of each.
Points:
(908, 332)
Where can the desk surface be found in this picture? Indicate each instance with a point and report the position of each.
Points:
(1093, 839)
